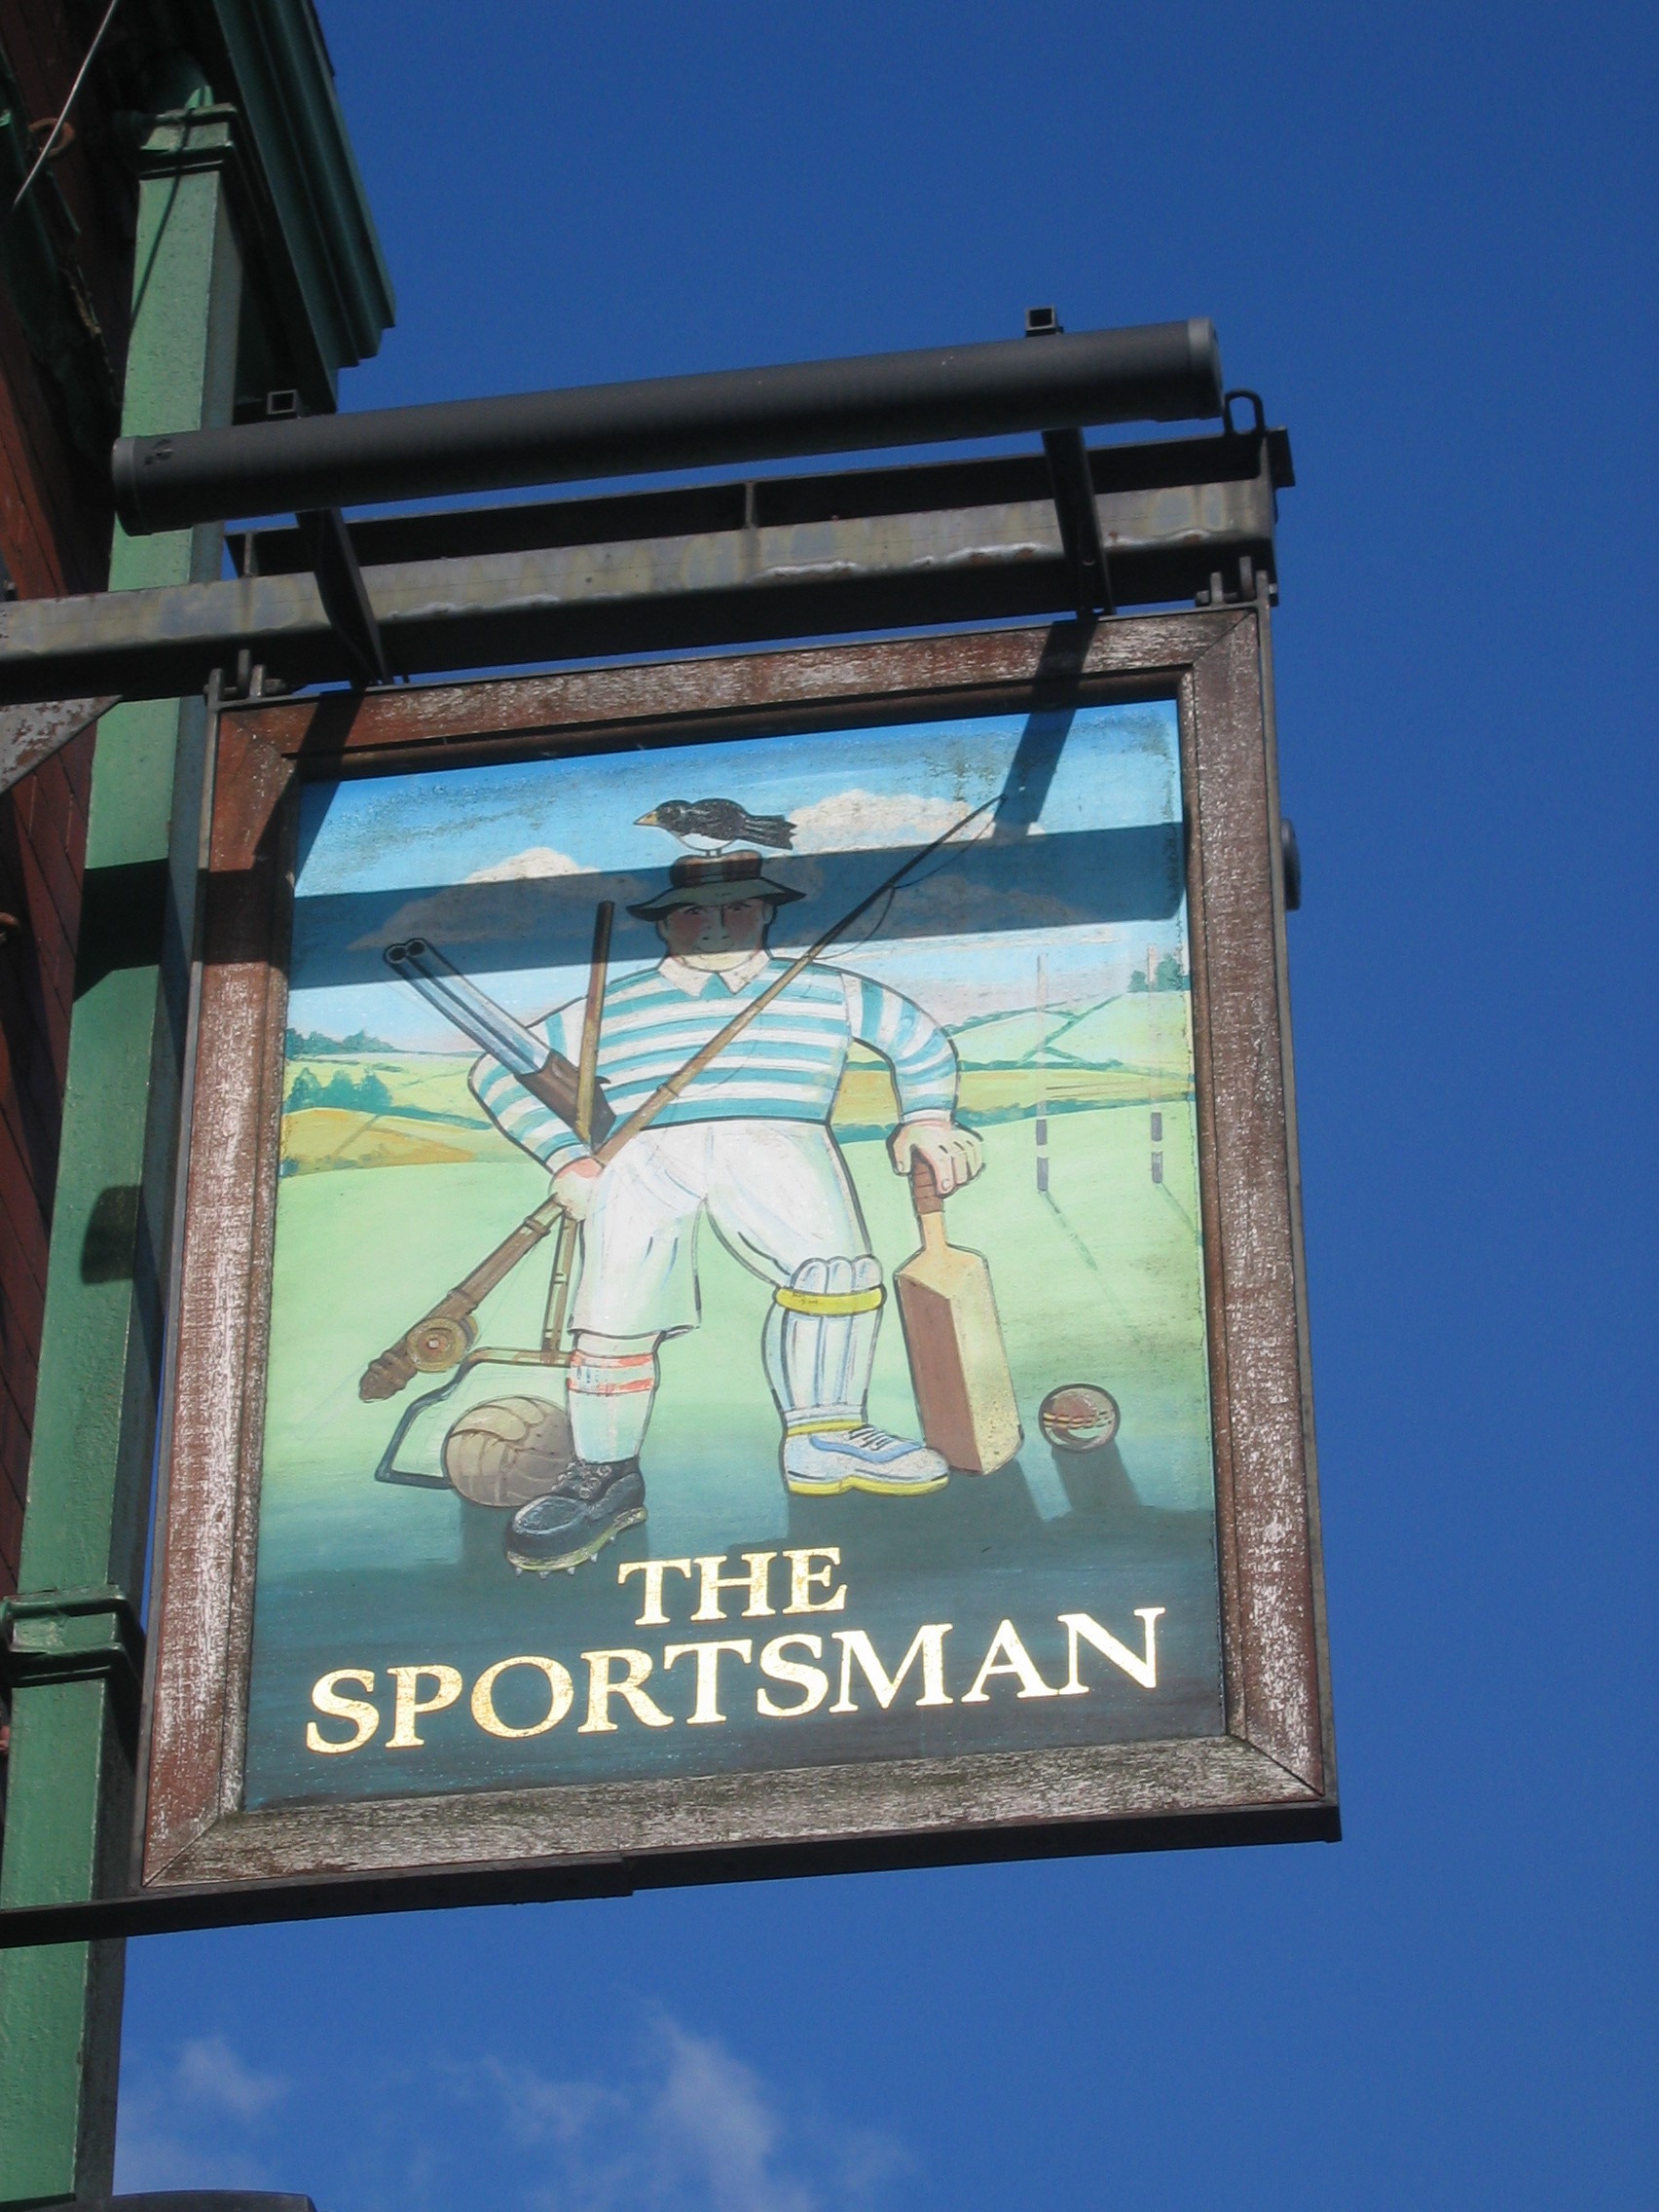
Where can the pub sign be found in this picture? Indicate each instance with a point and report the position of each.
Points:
(741, 1299)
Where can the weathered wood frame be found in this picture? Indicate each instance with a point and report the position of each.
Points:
(1271, 1777)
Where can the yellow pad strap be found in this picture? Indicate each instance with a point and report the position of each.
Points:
(818, 1427)
(831, 1301)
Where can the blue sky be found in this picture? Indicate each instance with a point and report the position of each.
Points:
(881, 790)
(1426, 233)
(876, 788)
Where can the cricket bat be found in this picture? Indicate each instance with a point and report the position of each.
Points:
(958, 1363)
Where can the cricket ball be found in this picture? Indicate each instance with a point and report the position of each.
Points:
(1079, 1416)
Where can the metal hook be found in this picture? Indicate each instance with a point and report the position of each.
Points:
(1255, 398)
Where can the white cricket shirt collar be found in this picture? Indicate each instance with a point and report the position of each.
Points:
(695, 980)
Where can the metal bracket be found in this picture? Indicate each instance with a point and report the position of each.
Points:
(824, 555)
(29, 735)
(1079, 520)
(70, 1636)
(1276, 442)
(1073, 485)
(345, 595)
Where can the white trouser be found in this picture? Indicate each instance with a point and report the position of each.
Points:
(776, 1193)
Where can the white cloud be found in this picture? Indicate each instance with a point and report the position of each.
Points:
(685, 2127)
(693, 2128)
(186, 2125)
(541, 2111)
(857, 819)
(713, 2110)
(209, 2072)
(490, 909)
(534, 860)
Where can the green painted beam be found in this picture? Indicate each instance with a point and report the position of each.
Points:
(263, 181)
(72, 1767)
(315, 256)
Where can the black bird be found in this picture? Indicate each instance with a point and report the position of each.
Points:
(711, 824)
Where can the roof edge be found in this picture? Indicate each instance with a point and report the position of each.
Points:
(320, 241)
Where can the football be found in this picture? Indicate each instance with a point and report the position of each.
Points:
(506, 1451)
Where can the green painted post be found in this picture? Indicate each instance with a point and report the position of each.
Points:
(71, 1629)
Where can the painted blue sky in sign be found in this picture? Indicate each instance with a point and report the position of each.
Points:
(864, 790)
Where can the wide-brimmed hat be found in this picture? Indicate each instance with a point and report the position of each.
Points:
(715, 879)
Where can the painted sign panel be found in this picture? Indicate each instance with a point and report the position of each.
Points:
(849, 1394)
(739, 1308)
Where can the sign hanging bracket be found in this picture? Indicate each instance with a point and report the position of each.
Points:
(1073, 486)
(345, 595)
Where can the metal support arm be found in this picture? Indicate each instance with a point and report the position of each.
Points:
(340, 586)
(1079, 520)
(732, 564)
(1074, 495)
(32, 734)
(71, 1636)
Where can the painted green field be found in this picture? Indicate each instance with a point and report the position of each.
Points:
(1100, 1283)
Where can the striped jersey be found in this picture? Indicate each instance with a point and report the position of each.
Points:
(785, 1067)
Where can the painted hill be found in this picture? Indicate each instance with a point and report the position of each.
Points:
(1140, 1030)
(392, 1110)
(1137, 1030)
(427, 1084)
(1009, 1040)
(318, 1139)
(379, 1109)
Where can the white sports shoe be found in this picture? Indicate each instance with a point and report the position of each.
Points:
(825, 1461)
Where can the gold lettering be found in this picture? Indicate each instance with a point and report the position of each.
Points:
(1015, 1660)
(804, 1578)
(561, 1696)
(326, 1698)
(707, 1712)
(928, 1641)
(1080, 1630)
(714, 1582)
(410, 1705)
(813, 1680)
(653, 1571)
(602, 1689)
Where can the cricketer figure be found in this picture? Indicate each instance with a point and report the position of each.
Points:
(747, 1144)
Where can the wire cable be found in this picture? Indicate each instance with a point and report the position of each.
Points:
(45, 154)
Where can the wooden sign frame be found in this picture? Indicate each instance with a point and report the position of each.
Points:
(1270, 1777)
